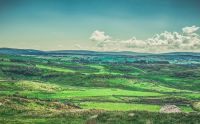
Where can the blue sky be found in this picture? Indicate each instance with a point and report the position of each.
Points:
(68, 24)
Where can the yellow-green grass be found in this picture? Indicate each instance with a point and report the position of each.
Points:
(13, 63)
(31, 85)
(83, 92)
(96, 98)
(144, 85)
(196, 105)
(102, 70)
(119, 106)
(5, 93)
(59, 69)
(33, 89)
(195, 95)
(186, 108)
(127, 106)
(7, 87)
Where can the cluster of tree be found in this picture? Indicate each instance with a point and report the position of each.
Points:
(189, 73)
(21, 70)
(151, 62)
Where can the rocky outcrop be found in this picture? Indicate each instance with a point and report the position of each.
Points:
(170, 109)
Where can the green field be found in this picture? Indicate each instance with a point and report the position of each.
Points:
(44, 89)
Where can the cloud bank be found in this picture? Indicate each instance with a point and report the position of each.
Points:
(188, 40)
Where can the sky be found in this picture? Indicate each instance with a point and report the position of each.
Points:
(102, 25)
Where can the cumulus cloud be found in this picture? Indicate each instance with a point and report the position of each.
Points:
(99, 36)
(188, 40)
(190, 30)
(173, 41)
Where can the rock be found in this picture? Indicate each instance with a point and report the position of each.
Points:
(93, 117)
(131, 114)
(149, 122)
(196, 106)
(170, 109)
(92, 120)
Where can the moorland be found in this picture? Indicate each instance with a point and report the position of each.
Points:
(75, 87)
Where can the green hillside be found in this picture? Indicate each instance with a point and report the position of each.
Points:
(71, 89)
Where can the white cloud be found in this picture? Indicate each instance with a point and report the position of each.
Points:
(164, 42)
(173, 41)
(99, 36)
(190, 30)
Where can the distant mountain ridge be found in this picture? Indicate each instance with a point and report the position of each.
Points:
(15, 51)
(183, 53)
(20, 51)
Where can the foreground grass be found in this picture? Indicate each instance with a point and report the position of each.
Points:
(119, 106)
(112, 117)
(93, 97)
(53, 89)
(82, 92)
(127, 106)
